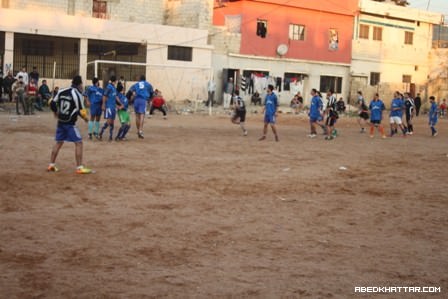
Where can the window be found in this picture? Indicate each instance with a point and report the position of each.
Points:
(294, 82)
(42, 51)
(407, 78)
(296, 32)
(180, 53)
(330, 82)
(377, 33)
(374, 78)
(408, 38)
(99, 9)
(262, 28)
(333, 39)
(364, 31)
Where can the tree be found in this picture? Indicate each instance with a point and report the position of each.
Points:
(397, 2)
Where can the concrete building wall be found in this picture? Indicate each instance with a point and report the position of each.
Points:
(278, 68)
(189, 13)
(173, 77)
(390, 56)
(141, 11)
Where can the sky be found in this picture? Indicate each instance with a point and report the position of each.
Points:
(434, 5)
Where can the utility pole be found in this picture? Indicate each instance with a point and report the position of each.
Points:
(427, 6)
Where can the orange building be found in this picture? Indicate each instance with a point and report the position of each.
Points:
(312, 30)
(299, 33)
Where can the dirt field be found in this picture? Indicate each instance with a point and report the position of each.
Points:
(195, 210)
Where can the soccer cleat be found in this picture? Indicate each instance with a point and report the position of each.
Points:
(83, 170)
(100, 137)
(312, 136)
(435, 134)
(262, 138)
(140, 135)
(362, 130)
(90, 136)
(110, 139)
(52, 168)
(245, 133)
(329, 137)
(276, 139)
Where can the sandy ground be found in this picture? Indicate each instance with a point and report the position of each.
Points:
(195, 210)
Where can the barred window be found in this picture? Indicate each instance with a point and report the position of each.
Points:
(296, 32)
(44, 51)
(408, 38)
(180, 53)
(377, 33)
(364, 31)
(374, 78)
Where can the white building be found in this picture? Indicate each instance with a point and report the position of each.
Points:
(62, 38)
(391, 49)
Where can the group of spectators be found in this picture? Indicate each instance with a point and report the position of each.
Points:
(25, 91)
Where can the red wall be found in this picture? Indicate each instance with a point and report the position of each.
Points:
(317, 23)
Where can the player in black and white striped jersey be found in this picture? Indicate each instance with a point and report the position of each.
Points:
(239, 113)
(332, 116)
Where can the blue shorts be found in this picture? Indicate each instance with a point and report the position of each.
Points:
(269, 118)
(140, 106)
(315, 119)
(68, 132)
(110, 113)
(95, 109)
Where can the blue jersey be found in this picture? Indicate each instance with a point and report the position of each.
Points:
(124, 101)
(271, 104)
(316, 107)
(111, 94)
(433, 112)
(95, 94)
(143, 90)
(397, 103)
(376, 109)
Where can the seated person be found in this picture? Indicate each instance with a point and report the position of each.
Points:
(44, 94)
(158, 102)
(296, 103)
(255, 98)
(340, 105)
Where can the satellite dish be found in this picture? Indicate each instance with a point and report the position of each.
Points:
(282, 49)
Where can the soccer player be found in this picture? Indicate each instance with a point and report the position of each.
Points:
(376, 108)
(157, 103)
(142, 92)
(363, 112)
(409, 112)
(94, 97)
(109, 105)
(315, 114)
(332, 116)
(270, 113)
(239, 116)
(396, 114)
(433, 116)
(67, 105)
(123, 114)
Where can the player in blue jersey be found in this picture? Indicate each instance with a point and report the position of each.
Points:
(67, 105)
(396, 114)
(94, 97)
(109, 106)
(376, 108)
(123, 115)
(433, 116)
(316, 114)
(270, 113)
(142, 93)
